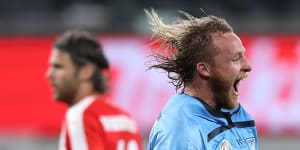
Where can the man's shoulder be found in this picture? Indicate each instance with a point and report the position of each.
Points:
(104, 105)
(182, 112)
(182, 101)
(242, 114)
(94, 108)
(182, 107)
(109, 115)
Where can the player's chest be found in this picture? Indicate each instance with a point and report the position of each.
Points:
(234, 139)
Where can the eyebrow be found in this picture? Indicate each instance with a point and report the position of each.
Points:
(238, 54)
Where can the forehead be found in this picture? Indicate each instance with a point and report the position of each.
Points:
(61, 57)
(228, 42)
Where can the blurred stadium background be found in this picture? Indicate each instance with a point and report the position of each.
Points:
(30, 119)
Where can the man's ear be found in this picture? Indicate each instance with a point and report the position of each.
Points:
(203, 69)
(86, 72)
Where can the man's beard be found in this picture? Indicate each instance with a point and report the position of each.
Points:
(221, 89)
(68, 92)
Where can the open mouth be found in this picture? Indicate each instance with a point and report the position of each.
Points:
(236, 85)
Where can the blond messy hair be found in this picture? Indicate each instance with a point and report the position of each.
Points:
(184, 43)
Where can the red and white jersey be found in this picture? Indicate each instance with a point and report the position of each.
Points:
(95, 123)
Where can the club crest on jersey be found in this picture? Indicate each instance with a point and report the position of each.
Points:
(225, 145)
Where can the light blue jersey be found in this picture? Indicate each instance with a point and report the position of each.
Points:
(187, 123)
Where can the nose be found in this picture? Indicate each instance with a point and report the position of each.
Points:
(246, 67)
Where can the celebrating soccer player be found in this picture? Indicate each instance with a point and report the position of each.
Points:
(206, 60)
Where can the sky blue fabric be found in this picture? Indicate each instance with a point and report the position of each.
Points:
(187, 123)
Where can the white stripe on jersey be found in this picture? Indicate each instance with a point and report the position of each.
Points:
(62, 138)
(75, 126)
(117, 123)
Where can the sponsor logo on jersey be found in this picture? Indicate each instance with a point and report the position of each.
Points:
(117, 123)
(251, 142)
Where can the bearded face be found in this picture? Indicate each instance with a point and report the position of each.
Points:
(63, 76)
(229, 68)
(65, 90)
(225, 89)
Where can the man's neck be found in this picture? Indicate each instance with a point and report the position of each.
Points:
(200, 91)
(82, 92)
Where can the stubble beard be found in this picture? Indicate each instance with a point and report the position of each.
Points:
(67, 93)
(222, 93)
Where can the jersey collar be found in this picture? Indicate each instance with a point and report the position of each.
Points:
(223, 113)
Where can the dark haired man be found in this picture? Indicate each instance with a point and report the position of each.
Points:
(92, 121)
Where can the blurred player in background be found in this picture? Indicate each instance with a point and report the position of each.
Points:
(206, 60)
(92, 121)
